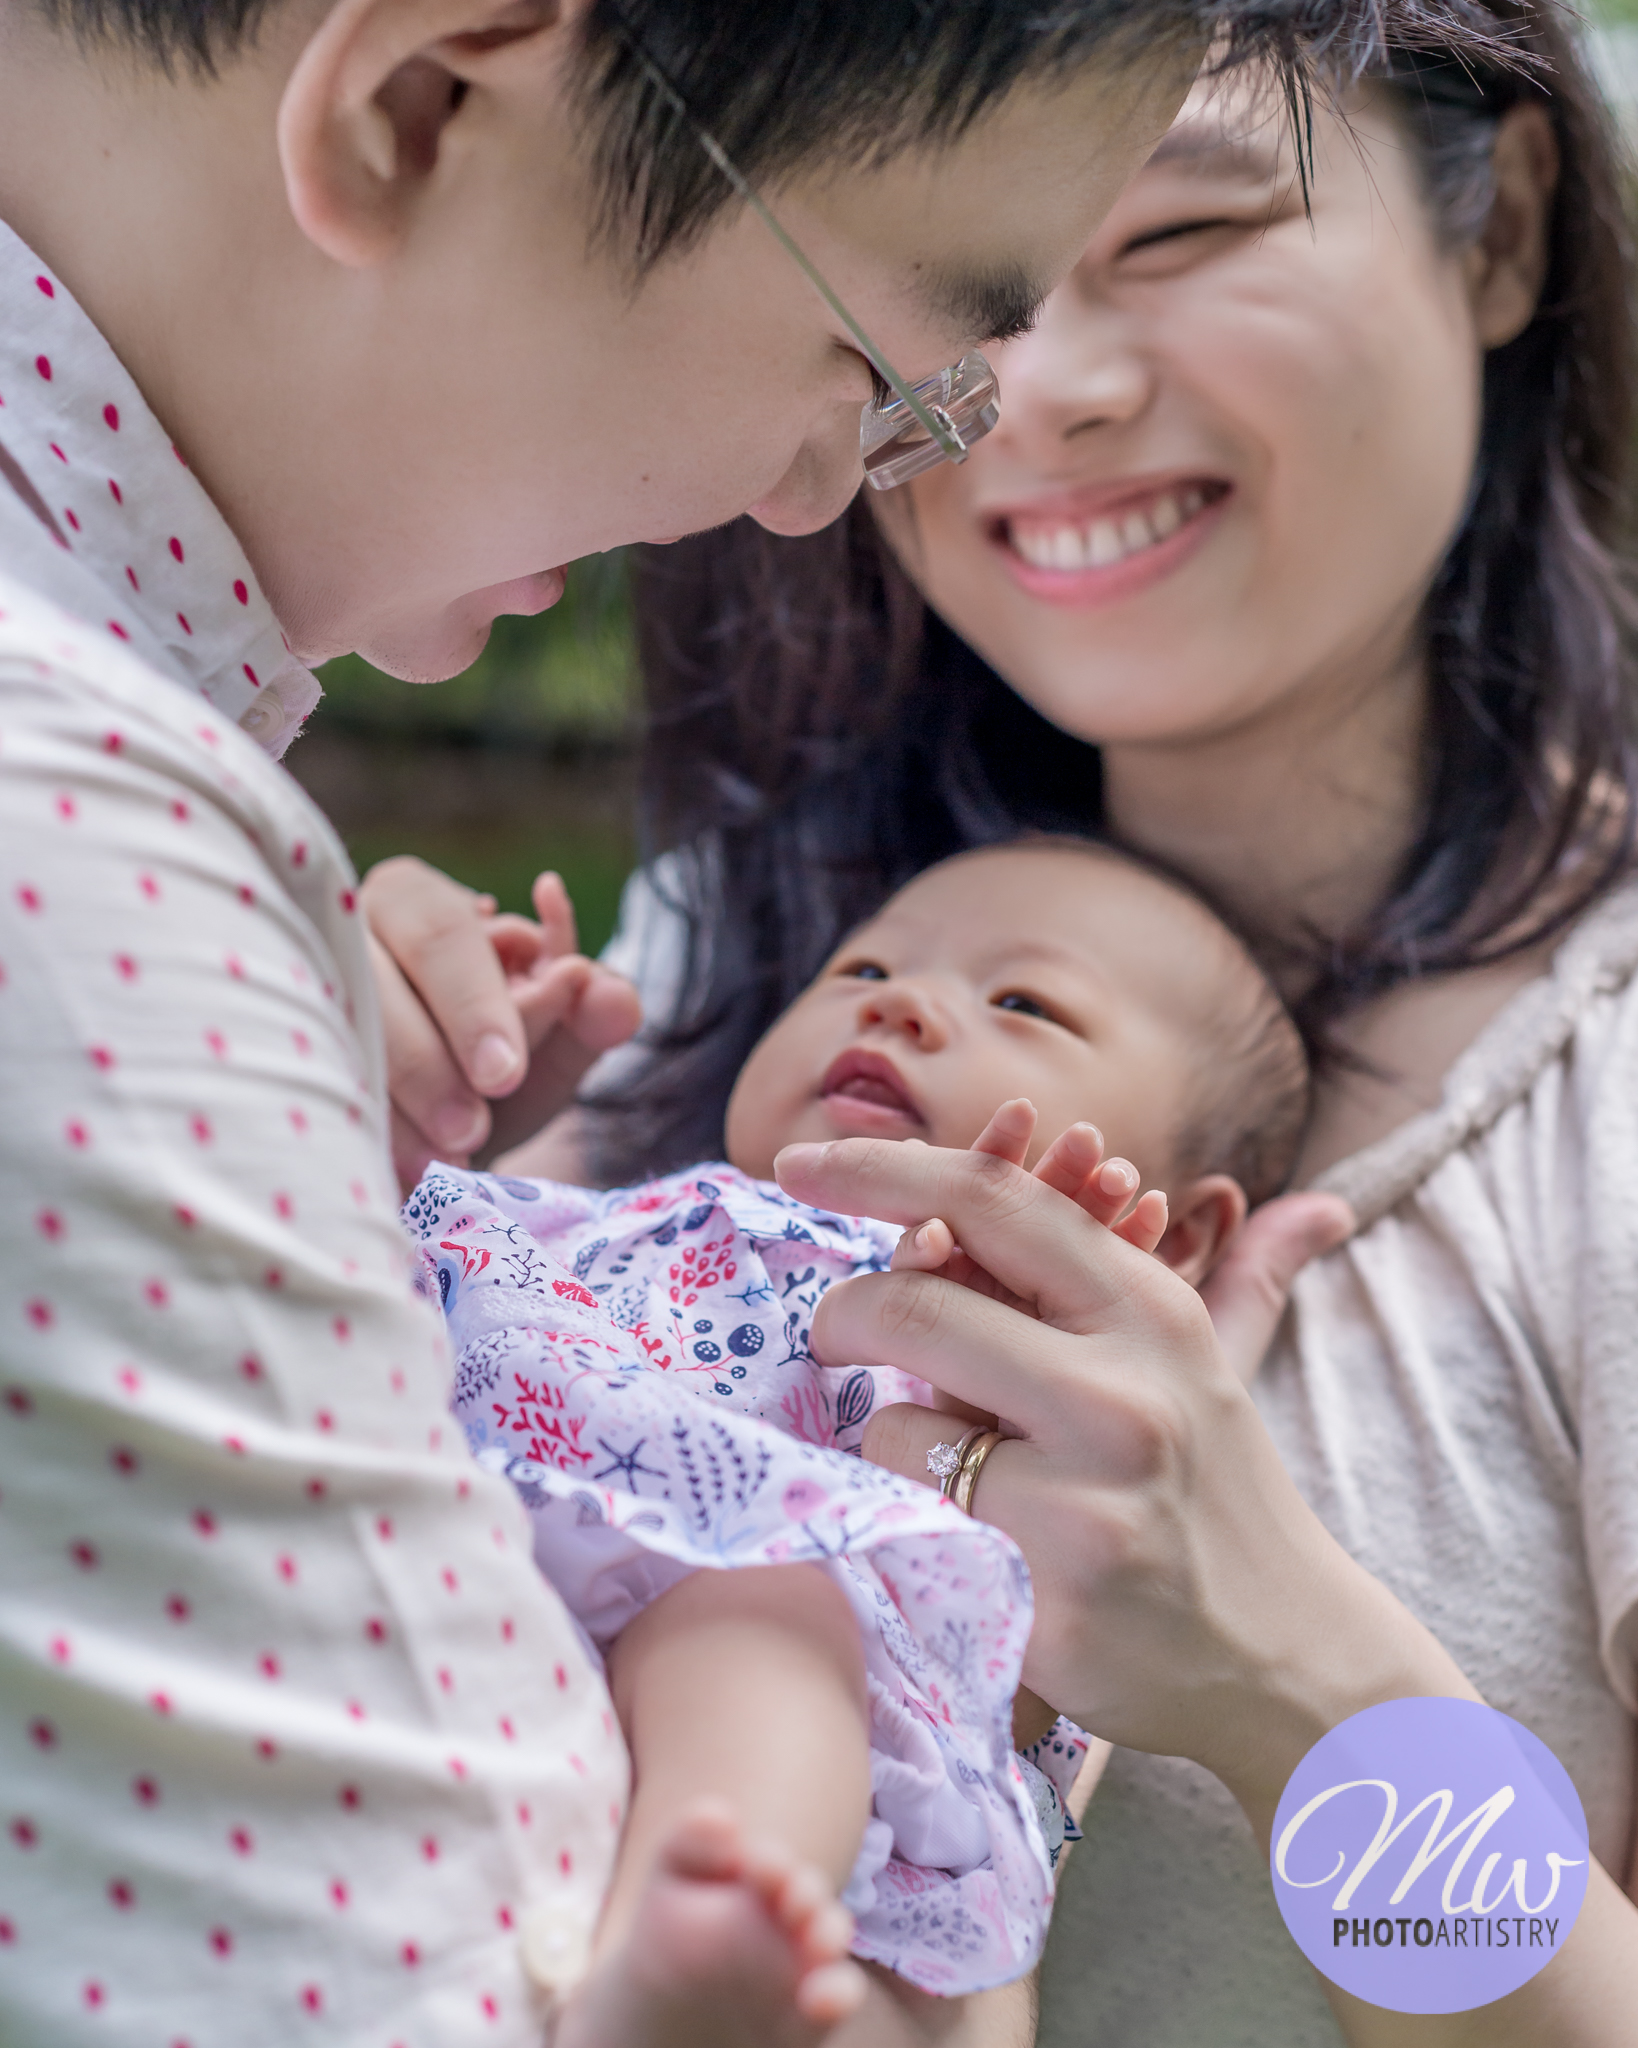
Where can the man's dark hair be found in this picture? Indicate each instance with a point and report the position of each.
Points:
(830, 81)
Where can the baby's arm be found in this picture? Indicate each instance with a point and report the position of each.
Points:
(742, 1697)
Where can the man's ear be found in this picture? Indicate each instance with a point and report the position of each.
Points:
(365, 118)
(1507, 265)
(1204, 1216)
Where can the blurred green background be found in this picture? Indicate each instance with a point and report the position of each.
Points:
(524, 762)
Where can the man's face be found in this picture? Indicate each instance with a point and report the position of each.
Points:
(502, 398)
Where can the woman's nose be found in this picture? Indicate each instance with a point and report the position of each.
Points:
(904, 1007)
(1081, 369)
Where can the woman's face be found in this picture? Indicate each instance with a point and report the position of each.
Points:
(1233, 451)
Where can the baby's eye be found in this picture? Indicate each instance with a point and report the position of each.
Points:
(864, 970)
(1025, 1006)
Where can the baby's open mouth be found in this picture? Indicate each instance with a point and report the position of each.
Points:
(1071, 545)
(873, 1083)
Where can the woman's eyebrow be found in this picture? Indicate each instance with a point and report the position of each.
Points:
(1208, 149)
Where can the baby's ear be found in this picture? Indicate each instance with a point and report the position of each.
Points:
(1205, 1214)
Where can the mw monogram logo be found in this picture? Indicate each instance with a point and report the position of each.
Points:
(1469, 1832)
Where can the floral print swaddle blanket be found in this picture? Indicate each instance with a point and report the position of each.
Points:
(637, 1363)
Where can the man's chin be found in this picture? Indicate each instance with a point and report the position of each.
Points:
(425, 659)
(433, 650)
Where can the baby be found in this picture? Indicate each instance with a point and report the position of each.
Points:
(638, 1362)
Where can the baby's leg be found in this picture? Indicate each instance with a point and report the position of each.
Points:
(742, 1697)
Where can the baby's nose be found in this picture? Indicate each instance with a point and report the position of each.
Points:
(904, 1006)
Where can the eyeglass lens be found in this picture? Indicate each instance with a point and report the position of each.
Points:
(964, 400)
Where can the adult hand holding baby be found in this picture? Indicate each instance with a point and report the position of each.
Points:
(1246, 1291)
(1188, 1602)
(490, 1019)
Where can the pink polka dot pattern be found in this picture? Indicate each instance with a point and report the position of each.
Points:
(136, 545)
(261, 1646)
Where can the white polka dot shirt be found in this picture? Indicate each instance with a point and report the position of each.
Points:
(295, 1743)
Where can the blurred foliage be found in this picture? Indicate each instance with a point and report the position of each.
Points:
(563, 682)
(503, 860)
(522, 763)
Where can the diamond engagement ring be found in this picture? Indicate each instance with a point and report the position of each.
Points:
(944, 1460)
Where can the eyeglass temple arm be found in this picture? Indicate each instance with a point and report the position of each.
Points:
(940, 430)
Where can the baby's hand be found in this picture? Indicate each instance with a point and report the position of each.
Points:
(573, 1009)
(1073, 1164)
(481, 1010)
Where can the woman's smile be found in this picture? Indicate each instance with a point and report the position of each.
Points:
(1098, 546)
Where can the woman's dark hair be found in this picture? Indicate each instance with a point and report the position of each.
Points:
(817, 735)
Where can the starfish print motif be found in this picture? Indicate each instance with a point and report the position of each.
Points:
(627, 1462)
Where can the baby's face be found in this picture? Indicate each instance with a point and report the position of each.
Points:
(1052, 973)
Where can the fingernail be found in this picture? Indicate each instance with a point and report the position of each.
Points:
(1117, 1178)
(494, 1062)
(460, 1126)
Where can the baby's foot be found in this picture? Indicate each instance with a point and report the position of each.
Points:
(729, 1947)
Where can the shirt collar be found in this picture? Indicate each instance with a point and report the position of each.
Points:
(152, 560)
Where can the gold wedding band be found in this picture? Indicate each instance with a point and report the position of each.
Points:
(975, 1451)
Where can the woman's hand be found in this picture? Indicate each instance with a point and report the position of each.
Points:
(1245, 1294)
(1188, 1602)
(490, 1020)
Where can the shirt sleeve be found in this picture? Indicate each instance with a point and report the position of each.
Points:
(294, 1740)
(1597, 1146)
(1557, 1266)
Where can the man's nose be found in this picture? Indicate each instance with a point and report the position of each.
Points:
(823, 477)
(907, 1008)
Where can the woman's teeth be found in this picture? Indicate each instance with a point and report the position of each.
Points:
(1101, 543)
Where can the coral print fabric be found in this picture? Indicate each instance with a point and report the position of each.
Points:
(637, 1363)
(296, 1744)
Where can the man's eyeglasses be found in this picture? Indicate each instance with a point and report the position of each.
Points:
(915, 427)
